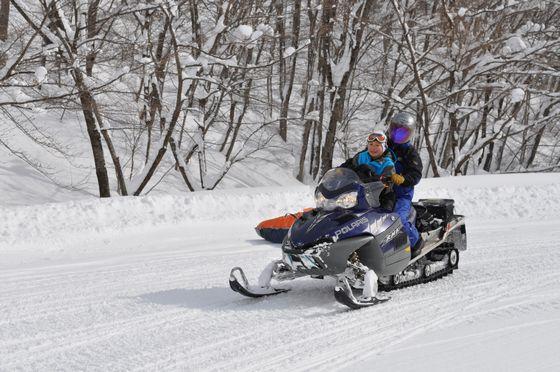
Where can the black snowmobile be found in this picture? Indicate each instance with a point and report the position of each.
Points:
(351, 237)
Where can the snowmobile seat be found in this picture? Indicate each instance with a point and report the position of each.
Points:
(442, 209)
(424, 219)
(433, 213)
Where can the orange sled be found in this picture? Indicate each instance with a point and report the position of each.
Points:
(275, 229)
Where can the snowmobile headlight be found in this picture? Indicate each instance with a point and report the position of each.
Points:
(347, 200)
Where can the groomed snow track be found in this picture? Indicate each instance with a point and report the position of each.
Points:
(157, 297)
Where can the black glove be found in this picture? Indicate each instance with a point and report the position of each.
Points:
(366, 173)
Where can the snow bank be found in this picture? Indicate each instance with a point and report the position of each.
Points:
(487, 197)
(59, 224)
(529, 196)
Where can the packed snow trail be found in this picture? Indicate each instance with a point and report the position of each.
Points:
(157, 297)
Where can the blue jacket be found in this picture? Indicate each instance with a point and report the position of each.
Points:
(382, 166)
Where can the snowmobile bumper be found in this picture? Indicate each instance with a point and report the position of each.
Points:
(322, 259)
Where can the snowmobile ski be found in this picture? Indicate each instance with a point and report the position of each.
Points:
(242, 286)
(343, 294)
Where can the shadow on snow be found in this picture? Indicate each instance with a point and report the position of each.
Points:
(304, 294)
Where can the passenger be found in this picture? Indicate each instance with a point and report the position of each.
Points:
(375, 163)
(375, 156)
(408, 172)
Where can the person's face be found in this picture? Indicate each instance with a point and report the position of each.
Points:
(375, 149)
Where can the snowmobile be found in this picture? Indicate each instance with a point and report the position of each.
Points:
(351, 237)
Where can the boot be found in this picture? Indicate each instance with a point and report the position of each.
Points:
(417, 248)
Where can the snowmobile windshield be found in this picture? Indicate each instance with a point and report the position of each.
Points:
(339, 178)
(338, 189)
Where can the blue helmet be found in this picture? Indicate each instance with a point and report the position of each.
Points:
(402, 127)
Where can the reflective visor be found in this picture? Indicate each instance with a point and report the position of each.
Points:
(400, 134)
(376, 137)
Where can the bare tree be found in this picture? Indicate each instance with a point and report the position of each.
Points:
(188, 89)
(4, 19)
(338, 59)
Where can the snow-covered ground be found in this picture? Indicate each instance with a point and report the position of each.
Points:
(141, 284)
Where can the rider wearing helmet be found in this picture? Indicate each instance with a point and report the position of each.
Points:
(408, 172)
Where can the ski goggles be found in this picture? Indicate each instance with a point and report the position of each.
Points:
(377, 137)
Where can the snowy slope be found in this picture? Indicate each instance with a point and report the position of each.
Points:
(141, 284)
(68, 171)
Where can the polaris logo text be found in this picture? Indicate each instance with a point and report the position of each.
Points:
(352, 226)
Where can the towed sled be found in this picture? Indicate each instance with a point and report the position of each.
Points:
(275, 229)
(350, 237)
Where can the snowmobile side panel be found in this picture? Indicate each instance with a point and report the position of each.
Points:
(445, 236)
(389, 252)
(459, 237)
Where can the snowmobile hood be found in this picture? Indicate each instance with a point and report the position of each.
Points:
(321, 226)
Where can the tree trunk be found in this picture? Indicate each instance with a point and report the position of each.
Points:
(305, 144)
(307, 92)
(287, 89)
(354, 27)
(281, 32)
(114, 157)
(94, 136)
(535, 147)
(336, 118)
(180, 164)
(174, 118)
(484, 129)
(4, 19)
(489, 157)
(425, 122)
(315, 164)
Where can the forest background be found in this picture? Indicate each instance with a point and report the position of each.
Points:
(121, 97)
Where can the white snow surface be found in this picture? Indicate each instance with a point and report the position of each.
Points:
(142, 284)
